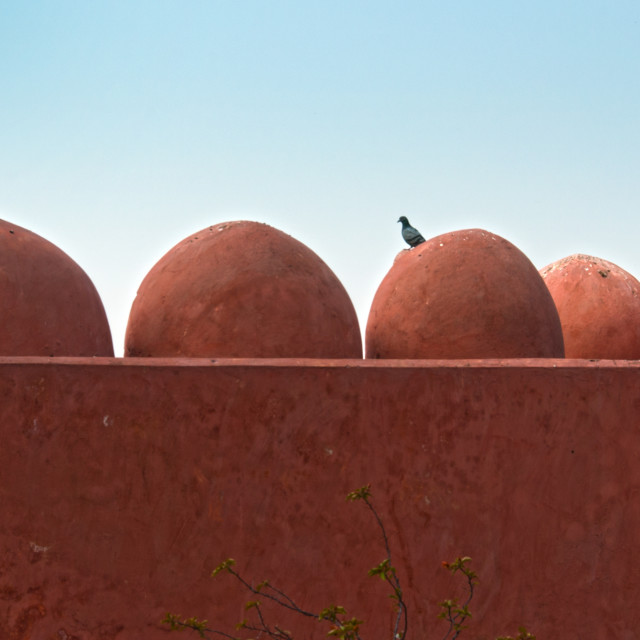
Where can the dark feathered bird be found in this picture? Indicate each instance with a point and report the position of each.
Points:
(411, 236)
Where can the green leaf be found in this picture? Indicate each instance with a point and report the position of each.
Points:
(264, 583)
(172, 620)
(223, 566)
(382, 569)
(197, 625)
(331, 613)
(363, 493)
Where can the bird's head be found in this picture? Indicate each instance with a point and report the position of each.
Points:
(403, 219)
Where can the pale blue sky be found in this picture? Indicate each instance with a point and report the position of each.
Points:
(126, 126)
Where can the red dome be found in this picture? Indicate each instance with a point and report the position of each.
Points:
(599, 307)
(465, 294)
(242, 289)
(48, 304)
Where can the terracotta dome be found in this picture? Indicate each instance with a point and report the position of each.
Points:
(599, 307)
(465, 294)
(242, 289)
(48, 304)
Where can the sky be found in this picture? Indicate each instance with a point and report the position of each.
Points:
(126, 126)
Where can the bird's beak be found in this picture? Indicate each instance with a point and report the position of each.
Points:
(398, 220)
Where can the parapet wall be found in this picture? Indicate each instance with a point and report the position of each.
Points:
(124, 482)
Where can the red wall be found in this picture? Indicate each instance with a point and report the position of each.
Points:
(124, 482)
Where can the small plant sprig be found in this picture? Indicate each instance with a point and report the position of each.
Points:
(177, 623)
(454, 613)
(523, 634)
(342, 628)
(385, 570)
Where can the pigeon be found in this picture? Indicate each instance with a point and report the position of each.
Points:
(411, 236)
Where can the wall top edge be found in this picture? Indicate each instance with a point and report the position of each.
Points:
(334, 363)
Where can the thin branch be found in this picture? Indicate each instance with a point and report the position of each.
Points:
(287, 602)
(392, 577)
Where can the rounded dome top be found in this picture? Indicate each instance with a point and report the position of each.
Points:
(48, 304)
(599, 307)
(242, 289)
(464, 294)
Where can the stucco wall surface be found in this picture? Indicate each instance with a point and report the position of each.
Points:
(123, 483)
